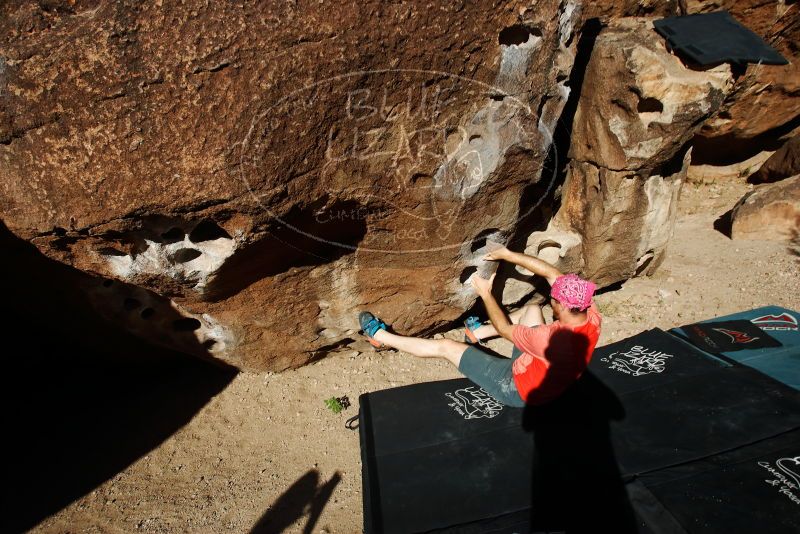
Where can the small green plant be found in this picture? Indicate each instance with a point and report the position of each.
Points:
(337, 404)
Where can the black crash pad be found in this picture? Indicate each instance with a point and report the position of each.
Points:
(436, 457)
(439, 454)
(711, 38)
(682, 404)
(749, 489)
(443, 456)
(720, 337)
(649, 359)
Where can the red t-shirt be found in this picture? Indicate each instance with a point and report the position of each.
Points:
(553, 356)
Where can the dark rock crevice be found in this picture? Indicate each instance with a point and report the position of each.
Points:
(304, 237)
(86, 391)
(545, 193)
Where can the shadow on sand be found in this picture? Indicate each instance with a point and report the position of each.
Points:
(82, 400)
(303, 498)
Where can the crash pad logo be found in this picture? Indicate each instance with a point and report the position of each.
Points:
(785, 477)
(638, 361)
(696, 330)
(474, 403)
(736, 336)
(783, 321)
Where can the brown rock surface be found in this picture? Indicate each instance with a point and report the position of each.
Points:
(608, 10)
(783, 163)
(735, 172)
(263, 172)
(769, 212)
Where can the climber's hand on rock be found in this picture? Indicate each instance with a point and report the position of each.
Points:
(497, 254)
(482, 286)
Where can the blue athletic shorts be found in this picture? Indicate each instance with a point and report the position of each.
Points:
(493, 374)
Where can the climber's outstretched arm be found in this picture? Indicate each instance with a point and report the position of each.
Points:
(533, 264)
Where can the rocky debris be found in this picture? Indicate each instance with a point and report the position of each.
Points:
(770, 212)
(630, 151)
(783, 163)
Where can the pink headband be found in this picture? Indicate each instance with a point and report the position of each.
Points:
(573, 291)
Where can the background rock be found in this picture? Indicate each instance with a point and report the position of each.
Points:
(764, 101)
(735, 172)
(643, 103)
(783, 163)
(770, 211)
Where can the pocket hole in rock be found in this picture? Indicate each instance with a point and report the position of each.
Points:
(207, 231)
(643, 262)
(173, 235)
(185, 255)
(649, 105)
(147, 313)
(110, 251)
(421, 179)
(466, 273)
(108, 283)
(547, 243)
(480, 240)
(517, 35)
(130, 304)
(549, 250)
(186, 324)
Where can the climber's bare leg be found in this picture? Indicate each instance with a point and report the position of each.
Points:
(424, 348)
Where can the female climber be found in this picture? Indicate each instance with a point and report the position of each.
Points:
(546, 359)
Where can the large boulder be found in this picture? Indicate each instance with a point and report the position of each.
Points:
(769, 212)
(240, 180)
(640, 104)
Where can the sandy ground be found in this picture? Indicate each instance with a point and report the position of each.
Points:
(266, 451)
